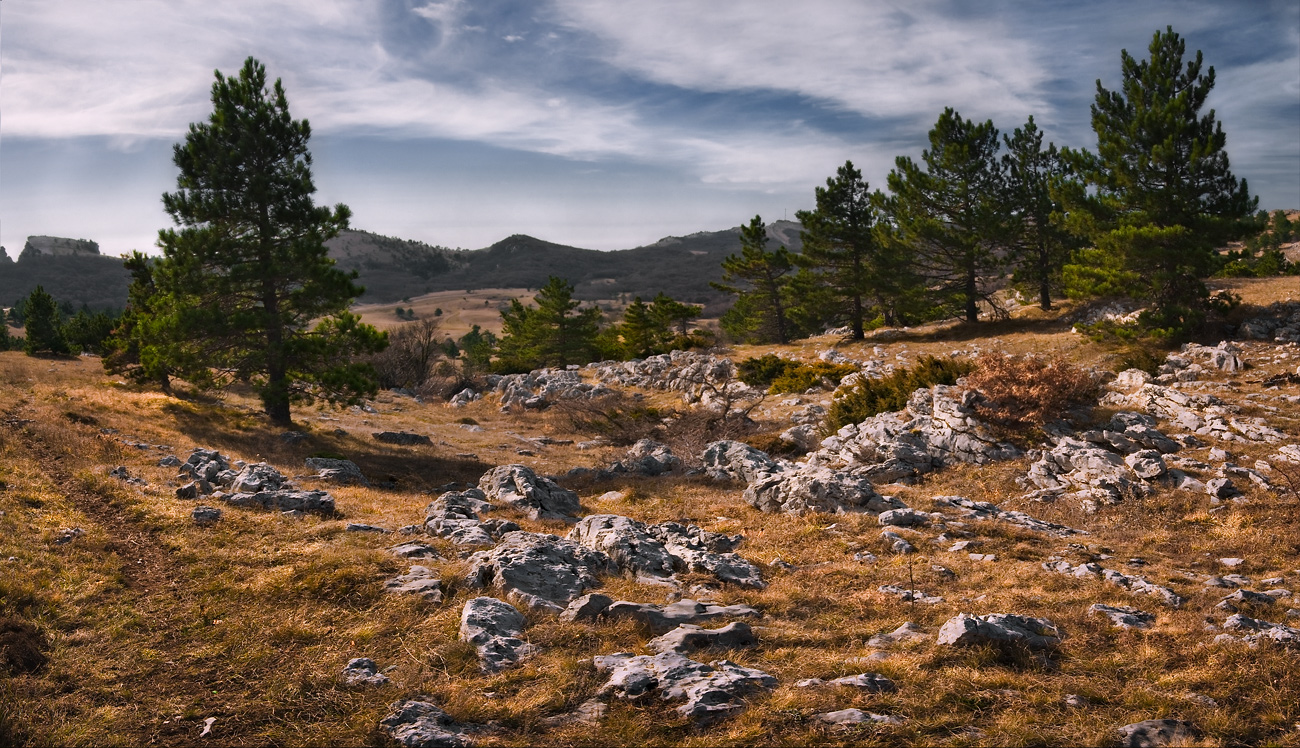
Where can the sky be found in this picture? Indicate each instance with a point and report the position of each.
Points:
(605, 124)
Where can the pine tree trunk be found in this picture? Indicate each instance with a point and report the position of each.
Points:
(1044, 276)
(972, 310)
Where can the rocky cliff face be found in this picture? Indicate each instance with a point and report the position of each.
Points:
(58, 246)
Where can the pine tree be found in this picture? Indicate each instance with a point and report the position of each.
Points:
(949, 216)
(673, 315)
(1163, 196)
(1040, 246)
(42, 328)
(840, 243)
(557, 332)
(247, 272)
(758, 279)
(641, 334)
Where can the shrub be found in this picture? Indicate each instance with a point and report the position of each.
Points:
(867, 397)
(763, 370)
(1021, 393)
(780, 375)
(801, 377)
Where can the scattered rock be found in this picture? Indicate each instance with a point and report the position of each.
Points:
(542, 565)
(362, 671)
(414, 550)
(663, 618)
(340, 472)
(420, 724)
(205, 515)
(1122, 617)
(1119, 579)
(589, 712)
(536, 496)
(587, 608)
(418, 580)
(1000, 629)
(983, 510)
(66, 535)
(494, 628)
(360, 527)
(688, 638)
(1245, 597)
(402, 438)
(658, 551)
(867, 682)
(908, 596)
(709, 691)
(908, 632)
(1156, 733)
(648, 457)
(851, 717)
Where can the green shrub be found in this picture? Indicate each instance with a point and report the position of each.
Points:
(800, 377)
(868, 397)
(764, 370)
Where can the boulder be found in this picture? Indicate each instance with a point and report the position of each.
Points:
(494, 627)
(205, 515)
(536, 496)
(658, 551)
(627, 543)
(688, 638)
(648, 457)
(537, 564)
(907, 596)
(454, 516)
(341, 472)
(852, 717)
(1156, 733)
(420, 724)
(1000, 629)
(905, 633)
(731, 460)
(709, 692)
(587, 608)
(808, 488)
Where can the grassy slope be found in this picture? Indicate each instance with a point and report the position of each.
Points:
(156, 624)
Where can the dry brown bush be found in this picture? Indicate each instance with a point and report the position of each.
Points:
(1021, 393)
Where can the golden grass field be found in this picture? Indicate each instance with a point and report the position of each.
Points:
(155, 624)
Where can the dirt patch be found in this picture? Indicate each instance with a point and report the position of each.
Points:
(22, 646)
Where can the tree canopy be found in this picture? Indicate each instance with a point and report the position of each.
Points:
(245, 290)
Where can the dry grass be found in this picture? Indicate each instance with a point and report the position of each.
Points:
(154, 624)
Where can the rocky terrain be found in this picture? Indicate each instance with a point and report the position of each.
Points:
(494, 571)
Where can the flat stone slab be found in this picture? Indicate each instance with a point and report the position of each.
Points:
(664, 618)
(710, 691)
(494, 628)
(1123, 617)
(688, 638)
(1000, 629)
(1156, 733)
(419, 580)
(362, 671)
(414, 723)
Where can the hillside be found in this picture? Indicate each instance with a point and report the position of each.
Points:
(1132, 571)
(79, 278)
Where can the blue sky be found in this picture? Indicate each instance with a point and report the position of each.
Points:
(594, 123)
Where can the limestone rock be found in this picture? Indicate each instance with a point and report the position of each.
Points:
(1156, 733)
(1123, 617)
(663, 618)
(537, 564)
(402, 438)
(536, 496)
(587, 608)
(418, 580)
(905, 633)
(648, 457)
(1129, 582)
(494, 627)
(414, 550)
(850, 717)
(808, 488)
(341, 472)
(709, 691)
(205, 515)
(688, 638)
(362, 671)
(420, 724)
(737, 461)
(984, 510)
(454, 515)
(1000, 629)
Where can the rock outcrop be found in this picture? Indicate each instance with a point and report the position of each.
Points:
(540, 566)
(536, 496)
(709, 691)
(1000, 629)
(494, 628)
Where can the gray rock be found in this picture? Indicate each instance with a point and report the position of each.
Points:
(1075, 701)
(737, 461)
(66, 535)
(170, 461)
(494, 627)
(983, 510)
(903, 517)
(663, 618)
(801, 437)
(1147, 464)
(908, 596)
(341, 472)
(414, 550)
(362, 671)
(402, 438)
(658, 551)
(205, 515)
(851, 717)
(907, 632)
(589, 712)
(536, 496)
(687, 639)
(709, 691)
(1221, 488)
(454, 515)
(1122, 617)
(648, 457)
(418, 580)
(1000, 629)
(866, 682)
(1156, 733)
(694, 549)
(1129, 582)
(627, 543)
(420, 724)
(587, 608)
(796, 489)
(285, 501)
(543, 565)
(1245, 597)
(361, 527)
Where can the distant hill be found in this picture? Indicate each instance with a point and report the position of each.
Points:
(681, 266)
(392, 269)
(68, 270)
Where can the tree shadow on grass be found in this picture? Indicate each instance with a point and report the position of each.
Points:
(250, 436)
(967, 331)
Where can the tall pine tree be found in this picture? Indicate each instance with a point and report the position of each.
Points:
(949, 215)
(1163, 196)
(1040, 247)
(246, 275)
(42, 324)
(759, 280)
(557, 332)
(840, 243)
